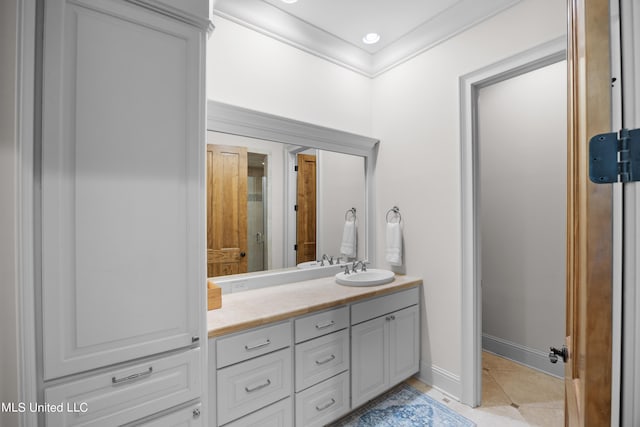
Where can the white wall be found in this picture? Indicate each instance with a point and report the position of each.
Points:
(413, 109)
(275, 188)
(522, 132)
(8, 157)
(250, 70)
(416, 116)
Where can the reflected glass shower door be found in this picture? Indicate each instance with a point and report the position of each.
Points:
(256, 213)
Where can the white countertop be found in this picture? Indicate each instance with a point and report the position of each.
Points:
(248, 309)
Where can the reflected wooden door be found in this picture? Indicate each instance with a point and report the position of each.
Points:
(226, 210)
(589, 221)
(306, 209)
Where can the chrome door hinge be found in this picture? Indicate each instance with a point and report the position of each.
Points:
(615, 157)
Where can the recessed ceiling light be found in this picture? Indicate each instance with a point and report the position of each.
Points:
(289, 1)
(371, 38)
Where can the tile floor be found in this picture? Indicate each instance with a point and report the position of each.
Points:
(512, 395)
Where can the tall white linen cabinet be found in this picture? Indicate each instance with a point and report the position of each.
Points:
(120, 216)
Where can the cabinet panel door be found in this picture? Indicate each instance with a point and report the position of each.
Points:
(404, 344)
(123, 258)
(369, 360)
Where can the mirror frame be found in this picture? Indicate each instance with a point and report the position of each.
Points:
(230, 119)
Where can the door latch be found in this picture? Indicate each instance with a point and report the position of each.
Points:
(554, 353)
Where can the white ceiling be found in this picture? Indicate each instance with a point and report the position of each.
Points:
(333, 29)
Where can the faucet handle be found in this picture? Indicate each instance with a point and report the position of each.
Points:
(346, 269)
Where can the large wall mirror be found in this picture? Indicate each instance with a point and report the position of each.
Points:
(283, 193)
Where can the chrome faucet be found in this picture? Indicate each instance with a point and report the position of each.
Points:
(326, 257)
(362, 264)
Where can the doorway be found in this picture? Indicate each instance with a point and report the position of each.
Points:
(237, 226)
(257, 211)
(546, 54)
(522, 168)
(521, 157)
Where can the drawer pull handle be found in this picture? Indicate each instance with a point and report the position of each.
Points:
(392, 317)
(326, 325)
(253, 347)
(326, 360)
(249, 389)
(132, 377)
(326, 405)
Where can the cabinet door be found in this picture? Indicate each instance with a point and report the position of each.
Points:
(404, 344)
(123, 255)
(369, 360)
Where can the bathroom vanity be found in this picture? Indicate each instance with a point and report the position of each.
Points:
(309, 352)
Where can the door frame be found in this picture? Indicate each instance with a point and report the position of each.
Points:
(629, 14)
(471, 321)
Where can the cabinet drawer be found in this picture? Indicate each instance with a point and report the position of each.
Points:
(190, 416)
(253, 384)
(321, 324)
(255, 342)
(127, 394)
(321, 358)
(366, 310)
(324, 402)
(277, 415)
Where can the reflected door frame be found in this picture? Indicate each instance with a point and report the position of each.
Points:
(291, 195)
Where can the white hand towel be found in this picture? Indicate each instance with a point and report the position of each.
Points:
(349, 245)
(394, 244)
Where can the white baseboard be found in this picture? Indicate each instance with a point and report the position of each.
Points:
(530, 357)
(441, 380)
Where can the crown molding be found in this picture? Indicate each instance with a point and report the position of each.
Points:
(273, 22)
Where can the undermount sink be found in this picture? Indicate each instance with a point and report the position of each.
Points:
(371, 277)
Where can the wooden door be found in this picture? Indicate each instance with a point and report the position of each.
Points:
(589, 221)
(226, 210)
(306, 209)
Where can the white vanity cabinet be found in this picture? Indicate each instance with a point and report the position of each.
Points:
(385, 342)
(335, 360)
(123, 267)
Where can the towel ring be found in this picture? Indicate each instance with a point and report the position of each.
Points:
(396, 211)
(353, 213)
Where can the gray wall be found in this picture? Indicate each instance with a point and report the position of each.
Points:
(522, 147)
(8, 273)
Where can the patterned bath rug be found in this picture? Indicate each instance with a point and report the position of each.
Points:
(404, 406)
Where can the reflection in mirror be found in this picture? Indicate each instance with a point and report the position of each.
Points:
(252, 193)
(272, 205)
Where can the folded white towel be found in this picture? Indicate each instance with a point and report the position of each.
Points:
(349, 245)
(393, 253)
